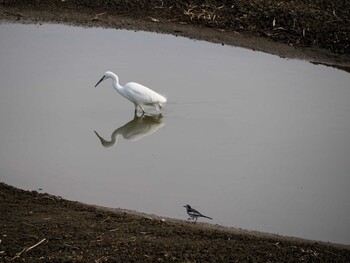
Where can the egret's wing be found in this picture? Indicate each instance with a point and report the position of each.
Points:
(141, 94)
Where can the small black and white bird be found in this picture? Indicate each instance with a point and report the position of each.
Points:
(194, 214)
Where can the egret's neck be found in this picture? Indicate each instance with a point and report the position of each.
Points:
(115, 82)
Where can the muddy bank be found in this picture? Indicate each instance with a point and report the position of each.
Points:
(317, 31)
(38, 227)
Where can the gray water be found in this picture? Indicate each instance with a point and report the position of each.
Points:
(250, 139)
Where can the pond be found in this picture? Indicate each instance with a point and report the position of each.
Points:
(253, 140)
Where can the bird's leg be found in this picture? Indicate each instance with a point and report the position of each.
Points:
(135, 109)
(141, 108)
(143, 111)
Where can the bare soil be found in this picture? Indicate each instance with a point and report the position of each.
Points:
(37, 227)
(317, 30)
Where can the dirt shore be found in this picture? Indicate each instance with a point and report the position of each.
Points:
(38, 227)
(318, 31)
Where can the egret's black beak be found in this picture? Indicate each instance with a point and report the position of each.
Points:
(100, 81)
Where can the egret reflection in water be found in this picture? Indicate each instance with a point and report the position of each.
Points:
(135, 129)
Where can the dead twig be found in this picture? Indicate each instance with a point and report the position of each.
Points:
(18, 254)
(204, 12)
(27, 249)
(37, 244)
(104, 220)
(97, 16)
(67, 245)
(154, 19)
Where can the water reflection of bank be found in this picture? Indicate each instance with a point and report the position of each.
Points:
(135, 129)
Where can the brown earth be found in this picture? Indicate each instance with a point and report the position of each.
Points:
(37, 227)
(43, 228)
(317, 30)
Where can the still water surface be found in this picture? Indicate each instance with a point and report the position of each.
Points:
(252, 140)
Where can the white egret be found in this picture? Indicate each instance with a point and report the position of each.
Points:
(136, 93)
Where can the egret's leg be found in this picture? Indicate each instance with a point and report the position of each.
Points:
(135, 109)
(158, 106)
(143, 111)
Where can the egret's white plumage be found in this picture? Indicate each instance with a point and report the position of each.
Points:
(136, 93)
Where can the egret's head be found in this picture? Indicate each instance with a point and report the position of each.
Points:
(107, 75)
